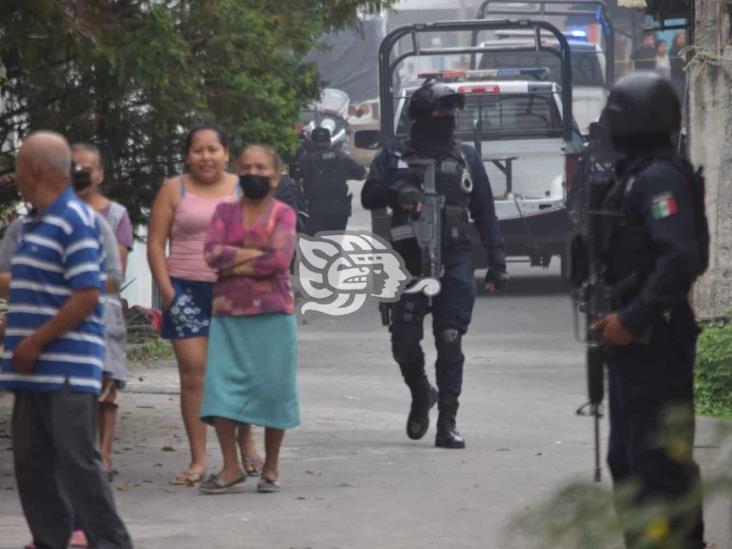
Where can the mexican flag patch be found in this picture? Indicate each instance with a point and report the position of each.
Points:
(663, 205)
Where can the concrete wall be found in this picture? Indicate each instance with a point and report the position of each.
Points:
(711, 147)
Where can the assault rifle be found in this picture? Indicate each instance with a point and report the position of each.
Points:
(591, 294)
(428, 226)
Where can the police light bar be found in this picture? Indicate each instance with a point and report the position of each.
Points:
(485, 74)
(535, 72)
(577, 34)
(442, 75)
(479, 88)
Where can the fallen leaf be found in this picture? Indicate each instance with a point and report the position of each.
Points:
(167, 449)
(124, 487)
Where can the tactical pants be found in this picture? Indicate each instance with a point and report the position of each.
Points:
(59, 473)
(652, 426)
(451, 309)
(329, 214)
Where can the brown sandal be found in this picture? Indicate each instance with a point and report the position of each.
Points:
(252, 467)
(187, 479)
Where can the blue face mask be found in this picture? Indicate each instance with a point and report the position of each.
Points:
(253, 186)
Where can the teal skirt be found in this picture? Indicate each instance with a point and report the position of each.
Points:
(251, 371)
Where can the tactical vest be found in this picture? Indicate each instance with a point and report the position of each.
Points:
(329, 177)
(452, 180)
(629, 252)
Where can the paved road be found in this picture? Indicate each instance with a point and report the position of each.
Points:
(351, 479)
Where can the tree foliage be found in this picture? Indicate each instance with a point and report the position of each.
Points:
(132, 76)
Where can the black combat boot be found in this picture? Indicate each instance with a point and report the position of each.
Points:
(424, 397)
(447, 434)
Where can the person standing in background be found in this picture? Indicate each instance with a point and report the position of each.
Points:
(678, 62)
(663, 63)
(252, 359)
(180, 216)
(88, 163)
(644, 57)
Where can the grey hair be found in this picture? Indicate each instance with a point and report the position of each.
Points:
(88, 147)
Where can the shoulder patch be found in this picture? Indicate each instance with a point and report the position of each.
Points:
(663, 205)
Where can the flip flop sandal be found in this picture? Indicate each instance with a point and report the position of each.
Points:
(213, 485)
(253, 468)
(187, 479)
(268, 486)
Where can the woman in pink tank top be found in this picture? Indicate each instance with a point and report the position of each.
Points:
(180, 218)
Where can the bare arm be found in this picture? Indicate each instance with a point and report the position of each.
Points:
(4, 285)
(123, 252)
(161, 221)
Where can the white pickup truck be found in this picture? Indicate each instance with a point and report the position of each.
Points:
(516, 125)
(589, 91)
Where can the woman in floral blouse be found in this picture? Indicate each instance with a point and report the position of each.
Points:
(251, 365)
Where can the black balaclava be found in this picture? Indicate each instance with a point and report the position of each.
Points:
(433, 135)
(634, 147)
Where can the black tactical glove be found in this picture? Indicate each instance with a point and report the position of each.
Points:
(408, 195)
(497, 276)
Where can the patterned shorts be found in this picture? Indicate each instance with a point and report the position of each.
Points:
(190, 313)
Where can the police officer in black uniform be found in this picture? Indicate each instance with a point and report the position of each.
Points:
(461, 179)
(325, 173)
(654, 246)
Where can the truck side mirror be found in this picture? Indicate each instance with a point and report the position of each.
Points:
(367, 139)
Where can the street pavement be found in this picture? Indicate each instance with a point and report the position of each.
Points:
(350, 476)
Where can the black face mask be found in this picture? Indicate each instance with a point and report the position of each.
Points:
(254, 186)
(433, 134)
(80, 179)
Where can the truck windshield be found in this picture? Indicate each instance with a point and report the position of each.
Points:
(509, 116)
(586, 69)
(531, 115)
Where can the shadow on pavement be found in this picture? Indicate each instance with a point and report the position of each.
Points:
(528, 285)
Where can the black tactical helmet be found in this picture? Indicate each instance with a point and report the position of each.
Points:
(320, 135)
(641, 103)
(434, 96)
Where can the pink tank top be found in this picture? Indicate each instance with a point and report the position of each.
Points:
(188, 236)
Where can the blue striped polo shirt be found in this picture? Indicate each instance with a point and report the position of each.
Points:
(59, 252)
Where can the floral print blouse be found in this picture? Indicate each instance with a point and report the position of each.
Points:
(269, 289)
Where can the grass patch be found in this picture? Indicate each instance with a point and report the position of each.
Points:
(714, 372)
(150, 349)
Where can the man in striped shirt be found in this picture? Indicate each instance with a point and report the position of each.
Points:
(54, 346)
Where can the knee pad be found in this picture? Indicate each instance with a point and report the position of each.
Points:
(449, 346)
(407, 351)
